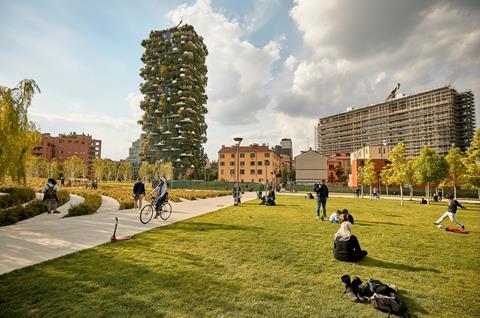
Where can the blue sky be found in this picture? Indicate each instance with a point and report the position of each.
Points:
(274, 66)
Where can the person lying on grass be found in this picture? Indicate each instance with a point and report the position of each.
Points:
(450, 213)
(335, 217)
(347, 217)
(346, 247)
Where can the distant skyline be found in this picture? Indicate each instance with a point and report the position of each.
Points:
(274, 66)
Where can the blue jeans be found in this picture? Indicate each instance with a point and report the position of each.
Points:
(159, 203)
(322, 202)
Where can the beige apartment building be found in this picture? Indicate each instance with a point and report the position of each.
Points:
(256, 163)
(438, 118)
(378, 154)
(310, 167)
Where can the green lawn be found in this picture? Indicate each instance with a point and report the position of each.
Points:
(257, 261)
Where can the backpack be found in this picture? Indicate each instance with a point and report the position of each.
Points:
(390, 304)
(316, 187)
(50, 194)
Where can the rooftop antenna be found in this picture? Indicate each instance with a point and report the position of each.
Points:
(393, 93)
(181, 20)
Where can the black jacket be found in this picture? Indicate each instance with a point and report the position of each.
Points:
(453, 206)
(139, 188)
(322, 191)
(347, 251)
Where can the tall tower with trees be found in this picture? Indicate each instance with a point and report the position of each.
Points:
(174, 104)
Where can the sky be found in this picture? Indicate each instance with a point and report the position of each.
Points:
(274, 66)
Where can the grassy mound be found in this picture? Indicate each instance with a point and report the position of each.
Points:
(90, 205)
(258, 261)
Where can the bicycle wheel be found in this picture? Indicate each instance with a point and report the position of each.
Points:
(147, 213)
(165, 211)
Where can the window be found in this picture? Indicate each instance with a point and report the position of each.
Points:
(222, 155)
(267, 163)
(252, 171)
(252, 155)
(232, 171)
(267, 154)
(232, 163)
(222, 163)
(259, 171)
(260, 163)
(232, 155)
(242, 155)
(242, 171)
(242, 163)
(252, 163)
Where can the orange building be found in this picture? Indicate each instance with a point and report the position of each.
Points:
(256, 163)
(341, 159)
(378, 155)
(65, 146)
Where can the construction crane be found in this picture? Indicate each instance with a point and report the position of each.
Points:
(393, 93)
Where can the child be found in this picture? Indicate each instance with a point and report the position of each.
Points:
(347, 217)
(452, 209)
(335, 217)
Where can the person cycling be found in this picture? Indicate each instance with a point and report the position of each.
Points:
(160, 193)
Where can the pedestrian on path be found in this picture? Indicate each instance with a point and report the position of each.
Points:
(322, 196)
(138, 194)
(236, 194)
(450, 213)
(50, 198)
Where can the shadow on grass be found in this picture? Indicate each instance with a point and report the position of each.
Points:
(368, 223)
(373, 262)
(414, 308)
(194, 226)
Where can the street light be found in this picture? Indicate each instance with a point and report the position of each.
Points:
(238, 140)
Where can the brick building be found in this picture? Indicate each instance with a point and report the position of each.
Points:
(378, 155)
(257, 163)
(67, 145)
(339, 159)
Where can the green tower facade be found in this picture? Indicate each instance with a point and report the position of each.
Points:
(174, 105)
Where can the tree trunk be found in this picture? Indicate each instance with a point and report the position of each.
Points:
(386, 186)
(370, 192)
(362, 190)
(411, 193)
(454, 192)
(401, 194)
(428, 192)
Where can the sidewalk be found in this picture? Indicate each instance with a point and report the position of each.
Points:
(34, 242)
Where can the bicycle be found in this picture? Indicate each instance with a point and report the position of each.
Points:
(149, 210)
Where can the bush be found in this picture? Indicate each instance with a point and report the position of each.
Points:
(15, 196)
(20, 213)
(63, 197)
(90, 205)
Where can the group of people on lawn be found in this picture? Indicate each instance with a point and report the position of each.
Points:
(346, 246)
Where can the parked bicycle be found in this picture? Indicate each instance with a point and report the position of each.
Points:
(147, 212)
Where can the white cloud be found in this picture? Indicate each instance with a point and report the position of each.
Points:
(134, 99)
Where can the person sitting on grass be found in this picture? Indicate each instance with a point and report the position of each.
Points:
(347, 217)
(335, 217)
(346, 247)
(423, 201)
(160, 192)
(450, 213)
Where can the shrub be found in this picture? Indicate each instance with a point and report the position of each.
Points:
(15, 196)
(63, 197)
(19, 213)
(90, 205)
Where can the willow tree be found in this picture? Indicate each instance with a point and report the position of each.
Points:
(18, 135)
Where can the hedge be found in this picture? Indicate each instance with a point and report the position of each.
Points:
(20, 213)
(90, 205)
(15, 196)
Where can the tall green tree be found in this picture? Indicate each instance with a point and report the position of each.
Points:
(18, 135)
(145, 171)
(386, 177)
(36, 167)
(370, 175)
(472, 163)
(396, 156)
(74, 167)
(126, 170)
(409, 175)
(98, 167)
(431, 168)
(361, 178)
(456, 168)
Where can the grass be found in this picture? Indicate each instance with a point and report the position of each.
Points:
(258, 261)
(90, 205)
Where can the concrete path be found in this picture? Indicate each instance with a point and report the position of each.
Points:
(108, 205)
(74, 200)
(25, 244)
(366, 196)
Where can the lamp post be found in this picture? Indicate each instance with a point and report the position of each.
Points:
(238, 140)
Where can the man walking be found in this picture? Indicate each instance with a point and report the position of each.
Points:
(50, 198)
(322, 196)
(138, 194)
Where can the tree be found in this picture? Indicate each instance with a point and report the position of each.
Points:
(74, 167)
(18, 135)
(340, 173)
(110, 169)
(396, 156)
(370, 175)
(361, 177)
(145, 171)
(430, 168)
(472, 163)
(409, 174)
(36, 167)
(386, 176)
(456, 168)
(98, 167)
(126, 170)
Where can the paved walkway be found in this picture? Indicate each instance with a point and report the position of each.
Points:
(74, 200)
(34, 242)
(108, 205)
